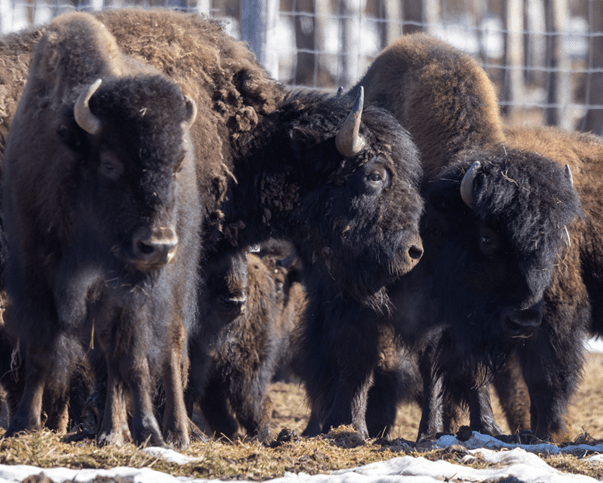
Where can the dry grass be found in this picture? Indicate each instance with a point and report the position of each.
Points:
(340, 449)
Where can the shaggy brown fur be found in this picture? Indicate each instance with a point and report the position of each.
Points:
(486, 270)
(233, 359)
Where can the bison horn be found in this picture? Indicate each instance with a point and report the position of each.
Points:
(81, 111)
(191, 108)
(467, 185)
(568, 173)
(339, 91)
(288, 262)
(348, 140)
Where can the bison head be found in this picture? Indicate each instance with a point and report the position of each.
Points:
(360, 198)
(497, 227)
(130, 137)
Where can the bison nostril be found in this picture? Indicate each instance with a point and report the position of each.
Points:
(415, 252)
(152, 248)
(145, 248)
(233, 305)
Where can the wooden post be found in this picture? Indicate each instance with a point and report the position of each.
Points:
(433, 14)
(413, 15)
(204, 7)
(558, 88)
(515, 57)
(391, 15)
(258, 29)
(593, 119)
(350, 12)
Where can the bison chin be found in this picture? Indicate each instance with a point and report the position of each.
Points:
(521, 324)
(364, 275)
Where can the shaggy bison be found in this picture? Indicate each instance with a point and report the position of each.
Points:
(496, 246)
(337, 179)
(251, 303)
(545, 362)
(102, 223)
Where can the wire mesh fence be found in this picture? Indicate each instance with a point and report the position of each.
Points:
(544, 56)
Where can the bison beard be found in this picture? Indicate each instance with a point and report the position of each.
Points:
(493, 247)
(95, 211)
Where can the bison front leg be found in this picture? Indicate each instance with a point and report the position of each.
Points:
(481, 417)
(28, 413)
(145, 429)
(433, 405)
(114, 427)
(551, 362)
(176, 422)
(349, 405)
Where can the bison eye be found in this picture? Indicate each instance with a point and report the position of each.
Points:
(110, 166)
(490, 242)
(375, 177)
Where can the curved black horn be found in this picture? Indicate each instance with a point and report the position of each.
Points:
(568, 173)
(348, 141)
(191, 108)
(339, 91)
(81, 111)
(467, 185)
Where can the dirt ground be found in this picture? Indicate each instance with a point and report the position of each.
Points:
(586, 411)
(341, 448)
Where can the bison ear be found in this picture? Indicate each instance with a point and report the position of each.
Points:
(70, 135)
(308, 147)
(303, 138)
(445, 196)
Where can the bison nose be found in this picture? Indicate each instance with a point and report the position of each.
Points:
(414, 250)
(520, 324)
(153, 248)
(233, 305)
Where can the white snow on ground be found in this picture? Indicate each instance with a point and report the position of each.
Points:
(520, 462)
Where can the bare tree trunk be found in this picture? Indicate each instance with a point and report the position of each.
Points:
(593, 120)
(557, 86)
(258, 28)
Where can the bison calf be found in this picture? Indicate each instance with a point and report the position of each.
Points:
(245, 302)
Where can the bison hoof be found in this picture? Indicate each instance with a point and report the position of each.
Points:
(116, 438)
(178, 439)
(196, 433)
(17, 429)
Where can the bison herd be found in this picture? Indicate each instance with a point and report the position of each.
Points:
(178, 229)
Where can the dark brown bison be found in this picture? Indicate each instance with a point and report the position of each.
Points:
(102, 220)
(540, 362)
(494, 233)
